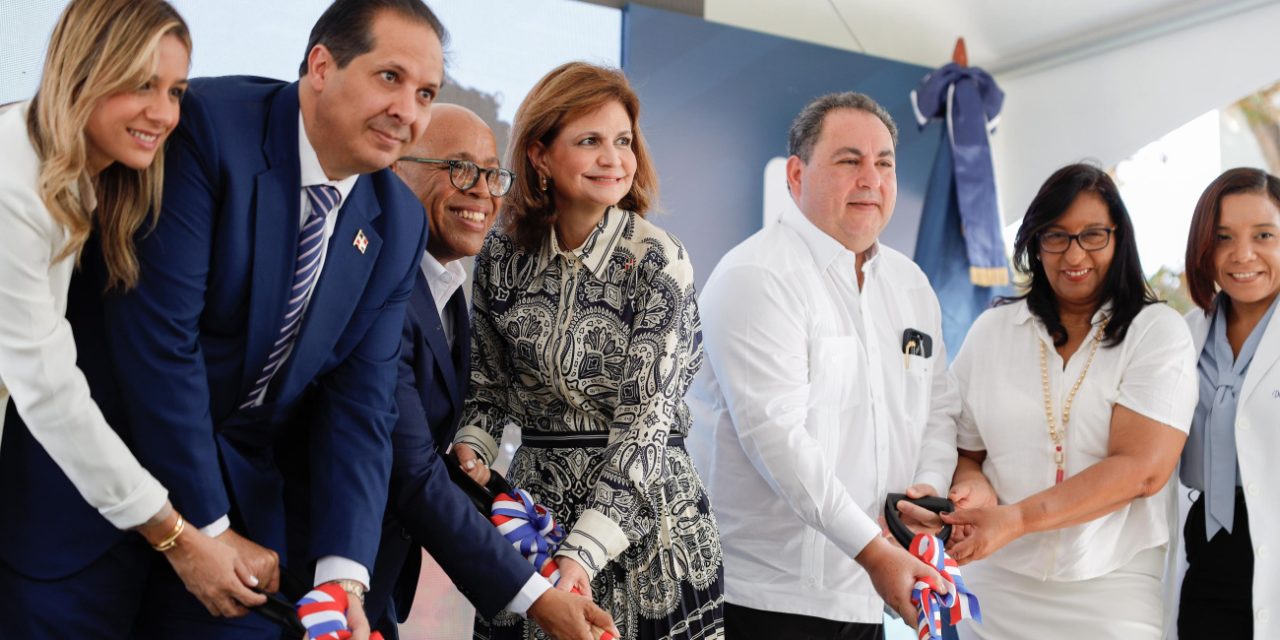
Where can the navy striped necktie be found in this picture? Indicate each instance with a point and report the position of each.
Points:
(323, 199)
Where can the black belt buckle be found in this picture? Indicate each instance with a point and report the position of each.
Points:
(901, 532)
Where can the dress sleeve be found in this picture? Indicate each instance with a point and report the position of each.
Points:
(489, 405)
(38, 364)
(1159, 380)
(665, 349)
(968, 437)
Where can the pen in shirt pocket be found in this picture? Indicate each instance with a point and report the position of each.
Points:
(915, 343)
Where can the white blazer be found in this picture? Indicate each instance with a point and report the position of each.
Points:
(1257, 450)
(38, 369)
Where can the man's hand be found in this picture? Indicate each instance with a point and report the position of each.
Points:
(573, 576)
(919, 519)
(567, 616)
(214, 574)
(262, 562)
(894, 572)
(357, 622)
(471, 463)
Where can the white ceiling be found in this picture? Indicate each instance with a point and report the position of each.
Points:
(1001, 35)
(1084, 79)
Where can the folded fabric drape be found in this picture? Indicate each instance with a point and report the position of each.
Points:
(970, 101)
(959, 602)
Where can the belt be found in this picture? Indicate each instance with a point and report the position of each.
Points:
(580, 440)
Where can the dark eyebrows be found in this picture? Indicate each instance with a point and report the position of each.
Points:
(400, 69)
(887, 153)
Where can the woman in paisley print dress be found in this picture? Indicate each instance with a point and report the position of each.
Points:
(586, 336)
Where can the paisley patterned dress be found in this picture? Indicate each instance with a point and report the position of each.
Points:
(590, 352)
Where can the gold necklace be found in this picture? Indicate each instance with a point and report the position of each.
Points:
(1056, 435)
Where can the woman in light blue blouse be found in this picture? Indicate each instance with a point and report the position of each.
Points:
(1233, 249)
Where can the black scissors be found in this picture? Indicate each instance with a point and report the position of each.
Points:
(901, 532)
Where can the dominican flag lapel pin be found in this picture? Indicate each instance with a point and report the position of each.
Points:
(361, 242)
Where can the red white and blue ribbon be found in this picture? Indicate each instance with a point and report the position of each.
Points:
(529, 527)
(323, 611)
(959, 602)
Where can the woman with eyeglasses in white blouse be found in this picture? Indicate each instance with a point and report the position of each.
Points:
(1076, 400)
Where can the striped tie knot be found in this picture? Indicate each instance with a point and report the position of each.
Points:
(306, 267)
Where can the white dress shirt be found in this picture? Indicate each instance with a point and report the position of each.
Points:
(38, 352)
(997, 372)
(329, 567)
(444, 280)
(808, 415)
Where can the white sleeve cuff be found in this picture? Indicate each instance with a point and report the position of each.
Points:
(529, 593)
(595, 540)
(217, 527)
(480, 440)
(330, 568)
(934, 479)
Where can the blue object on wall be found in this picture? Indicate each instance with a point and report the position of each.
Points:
(716, 103)
(970, 102)
(941, 253)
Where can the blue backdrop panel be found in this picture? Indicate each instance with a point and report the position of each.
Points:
(716, 105)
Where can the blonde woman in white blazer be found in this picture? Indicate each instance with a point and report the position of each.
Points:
(1232, 533)
(80, 159)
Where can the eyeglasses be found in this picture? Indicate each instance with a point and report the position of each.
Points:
(1090, 240)
(464, 174)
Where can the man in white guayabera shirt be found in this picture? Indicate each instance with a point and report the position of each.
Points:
(825, 390)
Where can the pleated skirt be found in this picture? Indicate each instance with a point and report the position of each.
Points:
(662, 587)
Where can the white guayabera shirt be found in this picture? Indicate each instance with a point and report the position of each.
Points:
(808, 413)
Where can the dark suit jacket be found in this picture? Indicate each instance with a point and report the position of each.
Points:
(425, 508)
(187, 344)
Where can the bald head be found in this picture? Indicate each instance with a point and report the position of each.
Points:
(458, 219)
(451, 124)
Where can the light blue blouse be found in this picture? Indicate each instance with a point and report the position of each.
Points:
(1209, 458)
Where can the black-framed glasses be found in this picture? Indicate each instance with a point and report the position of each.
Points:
(1095, 239)
(464, 174)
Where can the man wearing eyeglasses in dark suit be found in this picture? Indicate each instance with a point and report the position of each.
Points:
(454, 172)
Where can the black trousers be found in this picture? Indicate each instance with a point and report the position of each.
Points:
(1217, 592)
(742, 623)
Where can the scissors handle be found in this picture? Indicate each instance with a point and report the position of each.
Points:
(901, 532)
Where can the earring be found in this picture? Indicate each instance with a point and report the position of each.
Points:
(542, 182)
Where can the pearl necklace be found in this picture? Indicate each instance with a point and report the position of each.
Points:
(1056, 435)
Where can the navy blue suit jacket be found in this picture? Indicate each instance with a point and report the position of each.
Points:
(187, 344)
(425, 508)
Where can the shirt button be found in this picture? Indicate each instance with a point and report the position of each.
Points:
(1262, 615)
(813, 582)
(1242, 424)
(1253, 489)
(1262, 551)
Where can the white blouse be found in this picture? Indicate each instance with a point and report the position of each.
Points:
(1152, 372)
(38, 353)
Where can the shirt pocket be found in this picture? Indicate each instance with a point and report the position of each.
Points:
(917, 388)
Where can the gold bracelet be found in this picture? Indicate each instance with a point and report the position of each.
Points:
(171, 540)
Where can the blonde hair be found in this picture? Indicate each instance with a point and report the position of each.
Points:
(569, 91)
(98, 48)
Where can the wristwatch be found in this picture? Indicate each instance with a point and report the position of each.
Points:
(352, 588)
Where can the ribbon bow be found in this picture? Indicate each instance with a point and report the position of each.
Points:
(959, 602)
(529, 527)
(323, 611)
